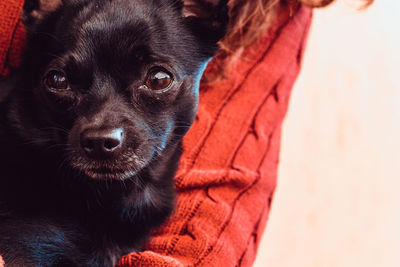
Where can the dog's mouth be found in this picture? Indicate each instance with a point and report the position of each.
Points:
(121, 168)
(104, 174)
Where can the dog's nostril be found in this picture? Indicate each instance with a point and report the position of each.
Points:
(102, 143)
(114, 139)
(111, 144)
(88, 144)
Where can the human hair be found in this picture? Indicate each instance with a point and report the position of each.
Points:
(249, 19)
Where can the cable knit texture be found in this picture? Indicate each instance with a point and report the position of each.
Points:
(227, 173)
(12, 34)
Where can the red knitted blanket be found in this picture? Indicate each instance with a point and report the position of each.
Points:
(227, 173)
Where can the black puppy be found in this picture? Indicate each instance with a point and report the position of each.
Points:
(91, 124)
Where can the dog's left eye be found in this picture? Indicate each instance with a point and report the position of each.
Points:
(158, 79)
(56, 80)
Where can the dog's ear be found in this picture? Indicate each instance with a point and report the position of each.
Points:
(36, 10)
(207, 19)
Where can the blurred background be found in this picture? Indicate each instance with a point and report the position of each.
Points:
(338, 197)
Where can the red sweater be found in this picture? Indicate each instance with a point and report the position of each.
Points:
(227, 173)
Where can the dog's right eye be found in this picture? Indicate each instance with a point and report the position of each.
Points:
(158, 79)
(56, 80)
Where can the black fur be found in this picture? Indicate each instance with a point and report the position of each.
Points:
(60, 205)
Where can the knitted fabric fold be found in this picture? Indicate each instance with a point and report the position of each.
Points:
(12, 34)
(228, 169)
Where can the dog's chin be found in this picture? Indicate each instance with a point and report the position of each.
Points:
(109, 175)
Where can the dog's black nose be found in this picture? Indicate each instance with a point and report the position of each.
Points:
(101, 144)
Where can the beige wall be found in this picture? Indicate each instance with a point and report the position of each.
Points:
(338, 196)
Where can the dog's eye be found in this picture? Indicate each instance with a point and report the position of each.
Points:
(158, 80)
(56, 80)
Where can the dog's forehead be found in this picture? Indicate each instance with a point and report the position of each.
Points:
(114, 14)
(121, 29)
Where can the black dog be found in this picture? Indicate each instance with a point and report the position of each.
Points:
(91, 124)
